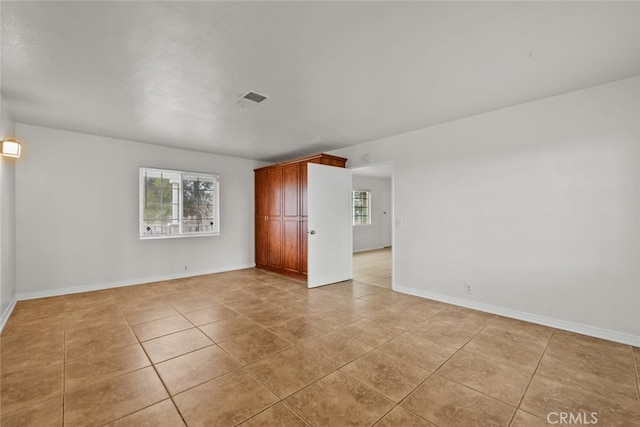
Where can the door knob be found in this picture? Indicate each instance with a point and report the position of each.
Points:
(312, 232)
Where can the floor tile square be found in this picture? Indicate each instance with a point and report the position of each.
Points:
(157, 328)
(387, 374)
(217, 402)
(24, 388)
(223, 330)
(210, 314)
(337, 400)
(370, 332)
(278, 415)
(44, 414)
(197, 367)
(419, 351)
(169, 346)
(163, 414)
(450, 334)
(254, 345)
(335, 348)
(400, 417)
(492, 378)
(87, 370)
(113, 398)
(289, 370)
(445, 402)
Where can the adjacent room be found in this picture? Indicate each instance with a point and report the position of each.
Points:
(310, 213)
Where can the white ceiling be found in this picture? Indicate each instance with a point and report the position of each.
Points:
(337, 73)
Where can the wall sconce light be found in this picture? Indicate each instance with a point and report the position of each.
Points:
(10, 148)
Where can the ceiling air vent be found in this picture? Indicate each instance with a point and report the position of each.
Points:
(250, 99)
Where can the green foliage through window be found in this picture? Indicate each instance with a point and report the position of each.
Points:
(178, 204)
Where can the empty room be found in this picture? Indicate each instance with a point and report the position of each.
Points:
(314, 213)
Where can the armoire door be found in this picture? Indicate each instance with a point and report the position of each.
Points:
(330, 239)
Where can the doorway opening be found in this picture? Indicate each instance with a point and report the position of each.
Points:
(373, 239)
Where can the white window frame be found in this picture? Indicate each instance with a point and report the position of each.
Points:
(175, 226)
(353, 207)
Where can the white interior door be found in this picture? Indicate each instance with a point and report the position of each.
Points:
(330, 238)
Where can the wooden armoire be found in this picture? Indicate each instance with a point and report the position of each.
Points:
(281, 214)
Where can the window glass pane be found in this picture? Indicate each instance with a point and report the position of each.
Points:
(361, 208)
(173, 203)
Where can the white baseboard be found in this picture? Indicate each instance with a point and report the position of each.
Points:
(579, 328)
(120, 283)
(375, 248)
(7, 312)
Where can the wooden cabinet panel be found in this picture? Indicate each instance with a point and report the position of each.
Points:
(261, 240)
(281, 214)
(274, 192)
(291, 246)
(291, 189)
(274, 243)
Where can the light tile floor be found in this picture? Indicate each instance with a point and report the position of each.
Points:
(373, 267)
(257, 349)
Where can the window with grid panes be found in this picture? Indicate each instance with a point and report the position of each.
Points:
(361, 207)
(178, 204)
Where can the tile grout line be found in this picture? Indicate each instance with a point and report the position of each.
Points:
(154, 369)
(553, 331)
(636, 369)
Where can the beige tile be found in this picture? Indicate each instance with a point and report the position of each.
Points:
(445, 402)
(334, 318)
(44, 414)
(545, 396)
(163, 414)
(105, 338)
(299, 329)
(210, 314)
(370, 332)
(135, 317)
(230, 328)
(524, 419)
(290, 370)
(88, 300)
(503, 346)
(464, 316)
(254, 345)
(169, 346)
(227, 400)
(591, 359)
(338, 400)
(33, 354)
(419, 351)
(192, 302)
(272, 315)
(596, 378)
(113, 398)
(278, 415)
(486, 376)
(197, 367)
(87, 370)
(335, 348)
(21, 389)
(401, 417)
(387, 374)
(87, 317)
(532, 330)
(449, 334)
(157, 328)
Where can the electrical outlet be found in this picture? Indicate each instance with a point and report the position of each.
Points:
(468, 288)
(185, 268)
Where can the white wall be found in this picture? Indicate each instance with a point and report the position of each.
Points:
(366, 237)
(537, 205)
(77, 214)
(7, 221)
